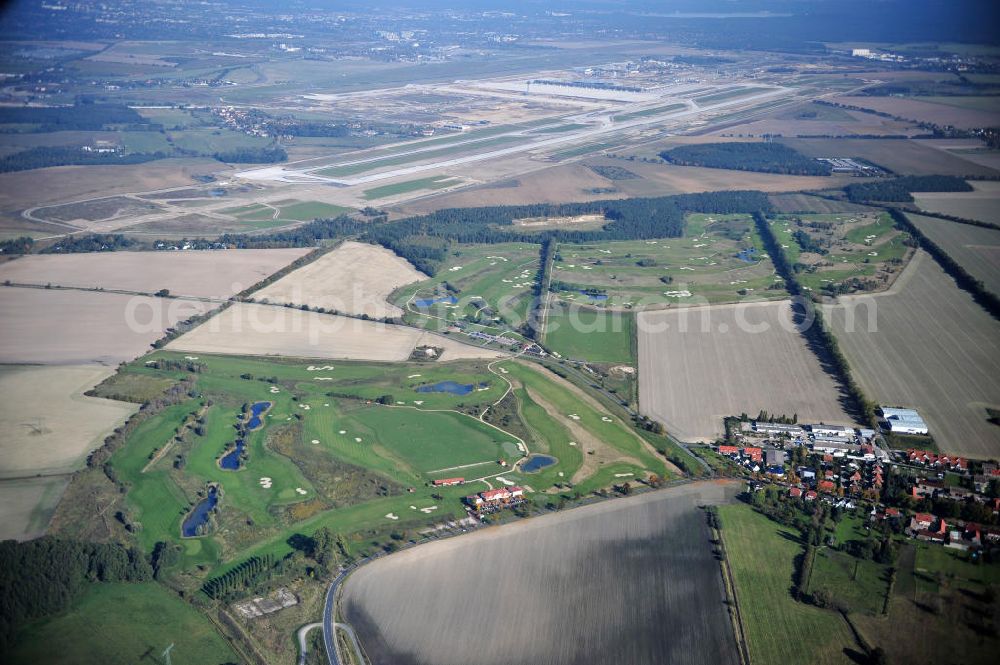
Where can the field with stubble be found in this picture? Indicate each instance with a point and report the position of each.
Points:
(935, 350)
(975, 248)
(627, 581)
(356, 278)
(698, 365)
(264, 330)
(217, 274)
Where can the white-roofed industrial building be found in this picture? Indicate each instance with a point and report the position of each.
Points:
(903, 421)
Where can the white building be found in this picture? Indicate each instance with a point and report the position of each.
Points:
(832, 430)
(904, 421)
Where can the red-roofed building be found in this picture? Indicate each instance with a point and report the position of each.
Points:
(810, 495)
(755, 454)
(923, 520)
(729, 450)
(892, 512)
(445, 482)
(826, 486)
(495, 495)
(794, 492)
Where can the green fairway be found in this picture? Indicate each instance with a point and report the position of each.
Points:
(600, 336)
(122, 624)
(433, 182)
(720, 259)
(780, 630)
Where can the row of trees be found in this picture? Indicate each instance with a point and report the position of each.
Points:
(79, 117)
(45, 156)
(746, 156)
(41, 577)
(899, 189)
(818, 335)
(245, 576)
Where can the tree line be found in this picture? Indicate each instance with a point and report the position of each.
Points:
(79, 117)
(747, 156)
(41, 577)
(899, 189)
(45, 156)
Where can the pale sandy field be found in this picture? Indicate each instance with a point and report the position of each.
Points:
(215, 274)
(27, 504)
(699, 365)
(356, 278)
(627, 581)
(982, 204)
(923, 111)
(934, 350)
(264, 330)
(975, 248)
(50, 425)
(76, 327)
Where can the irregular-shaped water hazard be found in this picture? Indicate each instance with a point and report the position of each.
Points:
(233, 459)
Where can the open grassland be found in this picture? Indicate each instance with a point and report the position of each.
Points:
(276, 213)
(593, 335)
(845, 252)
(264, 330)
(356, 278)
(489, 282)
(932, 348)
(901, 156)
(719, 259)
(805, 203)
(762, 555)
(982, 204)
(975, 248)
(218, 274)
(593, 585)
(699, 365)
(939, 601)
(69, 327)
(121, 623)
(49, 424)
(408, 186)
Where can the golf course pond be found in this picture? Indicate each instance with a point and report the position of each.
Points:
(537, 463)
(231, 460)
(452, 387)
(198, 517)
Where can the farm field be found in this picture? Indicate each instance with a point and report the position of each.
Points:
(499, 276)
(355, 278)
(719, 259)
(779, 629)
(975, 248)
(71, 327)
(116, 623)
(263, 330)
(902, 156)
(958, 373)
(410, 606)
(204, 274)
(49, 424)
(925, 110)
(982, 204)
(698, 365)
(846, 252)
(804, 203)
(28, 505)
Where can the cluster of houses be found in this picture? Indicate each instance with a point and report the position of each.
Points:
(756, 459)
(491, 501)
(955, 534)
(935, 461)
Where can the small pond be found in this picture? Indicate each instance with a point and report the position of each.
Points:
(428, 302)
(595, 296)
(452, 387)
(199, 516)
(536, 463)
(255, 411)
(231, 460)
(747, 255)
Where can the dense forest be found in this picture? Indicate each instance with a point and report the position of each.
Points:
(269, 155)
(42, 577)
(80, 117)
(899, 189)
(107, 242)
(45, 156)
(763, 157)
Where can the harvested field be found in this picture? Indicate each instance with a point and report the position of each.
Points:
(934, 350)
(625, 581)
(71, 327)
(27, 505)
(982, 204)
(701, 364)
(49, 425)
(975, 248)
(803, 203)
(356, 278)
(217, 274)
(902, 156)
(925, 111)
(263, 330)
